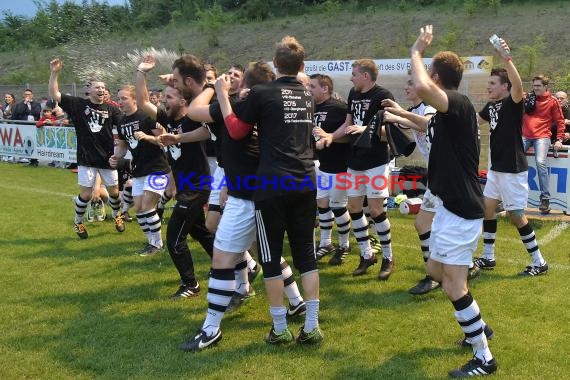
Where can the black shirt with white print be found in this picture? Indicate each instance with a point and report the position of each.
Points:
(94, 129)
(453, 168)
(188, 160)
(363, 106)
(148, 158)
(506, 146)
(214, 144)
(242, 156)
(283, 111)
(329, 115)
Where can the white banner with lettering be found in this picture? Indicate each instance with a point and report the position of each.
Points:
(393, 73)
(399, 66)
(47, 143)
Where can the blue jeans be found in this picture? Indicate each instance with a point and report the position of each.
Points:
(541, 147)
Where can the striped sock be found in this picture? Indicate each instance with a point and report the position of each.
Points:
(290, 285)
(80, 207)
(382, 225)
(153, 225)
(469, 318)
(489, 233)
(240, 273)
(424, 244)
(326, 218)
(342, 226)
(529, 240)
(221, 288)
(127, 197)
(360, 227)
(115, 203)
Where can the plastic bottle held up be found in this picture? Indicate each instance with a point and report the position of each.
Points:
(496, 42)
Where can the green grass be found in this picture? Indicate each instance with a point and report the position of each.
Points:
(78, 309)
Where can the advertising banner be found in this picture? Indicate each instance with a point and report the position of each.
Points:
(47, 143)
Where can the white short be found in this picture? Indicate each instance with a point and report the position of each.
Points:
(156, 183)
(453, 239)
(328, 187)
(216, 189)
(377, 182)
(86, 176)
(236, 231)
(430, 202)
(213, 164)
(511, 188)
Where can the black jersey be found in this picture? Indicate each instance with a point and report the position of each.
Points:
(453, 168)
(329, 115)
(214, 144)
(242, 156)
(505, 124)
(363, 106)
(94, 129)
(283, 112)
(148, 158)
(188, 160)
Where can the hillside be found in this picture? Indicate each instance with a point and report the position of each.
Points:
(334, 33)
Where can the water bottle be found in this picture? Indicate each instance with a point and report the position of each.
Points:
(496, 42)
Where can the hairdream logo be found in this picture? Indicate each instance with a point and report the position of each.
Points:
(341, 181)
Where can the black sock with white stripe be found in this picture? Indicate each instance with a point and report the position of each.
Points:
(240, 272)
(424, 244)
(80, 207)
(489, 233)
(326, 218)
(289, 284)
(153, 224)
(529, 240)
(164, 199)
(221, 288)
(127, 197)
(115, 203)
(342, 218)
(360, 227)
(469, 318)
(141, 219)
(382, 225)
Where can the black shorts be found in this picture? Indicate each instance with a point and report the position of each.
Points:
(293, 213)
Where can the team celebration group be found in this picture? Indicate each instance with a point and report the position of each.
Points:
(268, 123)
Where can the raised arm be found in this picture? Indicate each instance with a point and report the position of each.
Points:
(199, 108)
(143, 102)
(237, 129)
(513, 74)
(426, 88)
(53, 87)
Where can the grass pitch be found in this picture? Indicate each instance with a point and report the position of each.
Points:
(82, 309)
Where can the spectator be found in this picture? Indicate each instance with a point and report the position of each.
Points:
(107, 98)
(28, 108)
(154, 97)
(541, 111)
(48, 116)
(8, 107)
(563, 100)
(9, 104)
